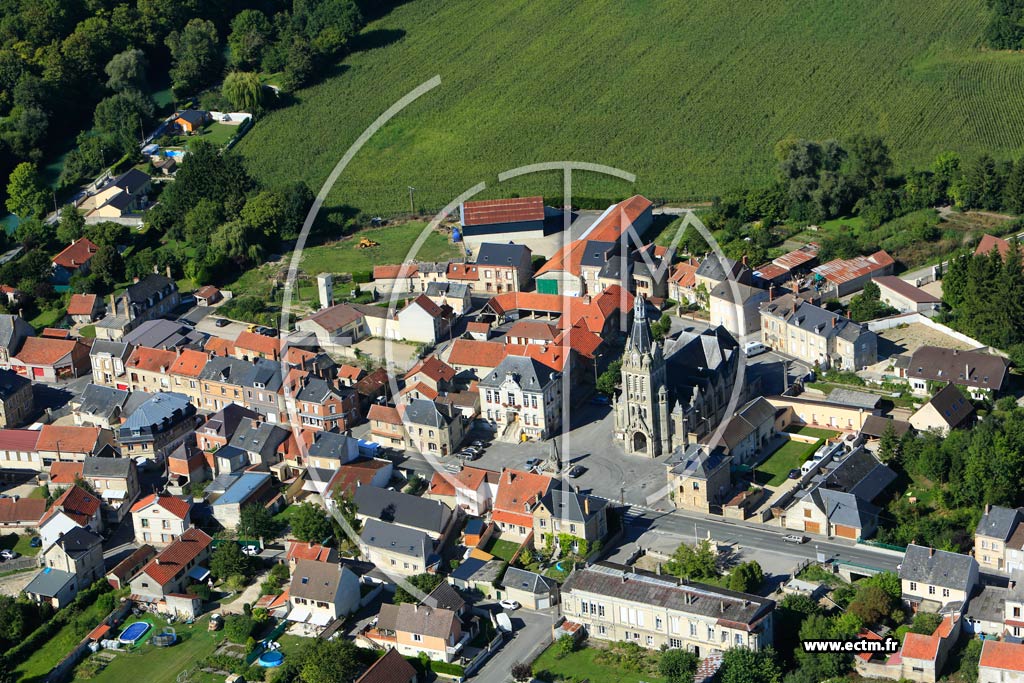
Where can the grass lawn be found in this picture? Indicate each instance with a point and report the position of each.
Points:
(285, 516)
(88, 331)
(790, 456)
(343, 256)
(217, 134)
(583, 665)
(19, 543)
(38, 492)
(49, 655)
(162, 665)
(503, 549)
(816, 432)
(48, 318)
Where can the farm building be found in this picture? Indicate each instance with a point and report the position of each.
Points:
(905, 297)
(493, 216)
(846, 276)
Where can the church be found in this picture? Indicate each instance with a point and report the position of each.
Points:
(670, 398)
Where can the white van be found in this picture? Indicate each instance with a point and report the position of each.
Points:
(754, 348)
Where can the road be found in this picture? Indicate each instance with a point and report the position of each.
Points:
(532, 635)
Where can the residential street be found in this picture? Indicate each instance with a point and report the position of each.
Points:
(532, 634)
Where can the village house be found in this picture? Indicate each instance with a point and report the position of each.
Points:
(948, 409)
(78, 552)
(905, 297)
(937, 580)
(736, 307)
(17, 404)
(160, 518)
(392, 667)
(397, 549)
(220, 382)
(1001, 661)
(698, 477)
(14, 330)
(172, 570)
(714, 270)
(404, 510)
(749, 430)
(116, 480)
(109, 360)
(124, 195)
(413, 629)
(246, 488)
(434, 428)
(101, 406)
(519, 493)
(21, 513)
(471, 488)
(321, 592)
(616, 603)
(75, 508)
(19, 452)
(319, 404)
(84, 308)
(456, 295)
(158, 426)
(921, 658)
(48, 359)
(841, 277)
(128, 568)
(503, 268)
(149, 369)
(815, 335)
(524, 396)
(58, 443)
(530, 589)
(185, 374)
(983, 375)
(992, 535)
(386, 426)
(330, 450)
(73, 260)
(563, 515)
(148, 298)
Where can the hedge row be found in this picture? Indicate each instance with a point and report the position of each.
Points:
(35, 640)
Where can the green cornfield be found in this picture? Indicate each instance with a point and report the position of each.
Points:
(690, 96)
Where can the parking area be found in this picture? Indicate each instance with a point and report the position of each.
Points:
(909, 338)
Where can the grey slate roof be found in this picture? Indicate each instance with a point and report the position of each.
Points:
(331, 445)
(49, 582)
(165, 408)
(225, 369)
(696, 461)
(937, 567)
(502, 254)
(875, 426)
(396, 539)
(258, 437)
(999, 522)
(640, 338)
(11, 383)
(225, 421)
(262, 374)
(718, 268)
(446, 597)
(116, 349)
(810, 318)
(456, 290)
(971, 368)
(13, 330)
(102, 401)
(78, 541)
(531, 375)
(860, 474)
(569, 505)
(531, 582)
(165, 334)
(844, 508)
(421, 619)
(316, 581)
(315, 390)
(107, 467)
(857, 399)
(421, 411)
(402, 508)
(150, 286)
(951, 405)
(131, 181)
(605, 578)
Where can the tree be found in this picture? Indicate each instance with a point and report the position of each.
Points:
(202, 220)
(228, 559)
(981, 185)
(565, 645)
(1015, 188)
(925, 623)
(889, 445)
(107, 265)
(27, 197)
(746, 577)
(868, 163)
(71, 225)
(521, 671)
(608, 381)
(255, 521)
(661, 328)
(330, 661)
(244, 91)
(678, 666)
(424, 583)
(742, 665)
(310, 523)
(298, 66)
(694, 562)
(127, 71)
(239, 627)
(121, 119)
(868, 304)
(250, 35)
(871, 604)
(969, 660)
(196, 56)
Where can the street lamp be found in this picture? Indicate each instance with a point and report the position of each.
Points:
(597, 358)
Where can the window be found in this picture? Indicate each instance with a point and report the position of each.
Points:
(1016, 611)
(583, 608)
(696, 486)
(417, 638)
(601, 630)
(807, 513)
(931, 590)
(167, 524)
(693, 630)
(913, 585)
(650, 641)
(600, 610)
(945, 592)
(145, 522)
(738, 640)
(657, 623)
(675, 643)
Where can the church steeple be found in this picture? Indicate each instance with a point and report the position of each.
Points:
(640, 338)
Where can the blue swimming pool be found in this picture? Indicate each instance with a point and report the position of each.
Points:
(270, 659)
(133, 632)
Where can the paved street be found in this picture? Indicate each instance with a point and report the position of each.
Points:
(532, 635)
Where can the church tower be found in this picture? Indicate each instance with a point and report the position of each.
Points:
(642, 408)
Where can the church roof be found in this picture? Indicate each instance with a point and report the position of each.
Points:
(640, 336)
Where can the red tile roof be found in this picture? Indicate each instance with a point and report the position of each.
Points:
(988, 243)
(532, 329)
(190, 363)
(350, 372)
(45, 350)
(302, 550)
(608, 228)
(269, 347)
(797, 257)
(176, 506)
(354, 474)
(386, 414)
(76, 254)
(336, 317)
(463, 272)
(99, 632)
(207, 292)
(24, 440)
(82, 304)
(440, 486)
(432, 367)
(55, 333)
(218, 346)
(177, 555)
(685, 274)
(999, 654)
(491, 211)
(483, 328)
(21, 510)
(517, 490)
(845, 270)
(432, 309)
(770, 271)
(917, 646)
(65, 473)
(422, 388)
(76, 503)
(392, 272)
(68, 439)
(152, 360)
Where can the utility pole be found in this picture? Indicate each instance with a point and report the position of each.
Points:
(412, 205)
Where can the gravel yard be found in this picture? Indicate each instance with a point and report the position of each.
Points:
(908, 339)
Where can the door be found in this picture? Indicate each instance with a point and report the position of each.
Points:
(812, 527)
(846, 531)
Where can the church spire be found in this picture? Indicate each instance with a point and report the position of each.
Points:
(640, 338)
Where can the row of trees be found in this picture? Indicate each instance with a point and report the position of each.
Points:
(700, 563)
(986, 296)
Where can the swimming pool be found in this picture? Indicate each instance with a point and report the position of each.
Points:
(270, 659)
(134, 631)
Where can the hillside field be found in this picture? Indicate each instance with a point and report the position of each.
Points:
(690, 96)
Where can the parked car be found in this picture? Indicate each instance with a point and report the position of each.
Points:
(509, 605)
(8, 554)
(532, 463)
(468, 455)
(36, 542)
(478, 444)
(794, 474)
(250, 550)
(222, 322)
(267, 331)
(794, 538)
(576, 471)
(754, 348)
(601, 400)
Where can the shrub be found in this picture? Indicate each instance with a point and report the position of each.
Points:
(200, 590)
(521, 671)
(239, 627)
(237, 582)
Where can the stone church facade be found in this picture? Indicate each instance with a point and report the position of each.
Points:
(665, 402)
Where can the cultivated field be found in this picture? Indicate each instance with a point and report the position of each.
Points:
(690, 96)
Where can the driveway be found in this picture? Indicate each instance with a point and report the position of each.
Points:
(532, 633)
(250, 595)
(15, 583)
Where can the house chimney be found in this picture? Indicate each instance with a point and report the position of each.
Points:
(657, 569)
(586, 507)
(771, 293)
(988, 508)
(135, 280)
(744, 260)
(967, 370)
(834, 319)
(168, 271)
(155, 270)
(113, 309)
(931, 552)
(722, 604)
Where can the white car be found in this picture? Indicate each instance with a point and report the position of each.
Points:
(509, 605)
(250, 550)
(8, 554)
(754, 348)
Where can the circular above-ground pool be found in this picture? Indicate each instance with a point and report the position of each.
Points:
(134, 631)
(270, 658)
